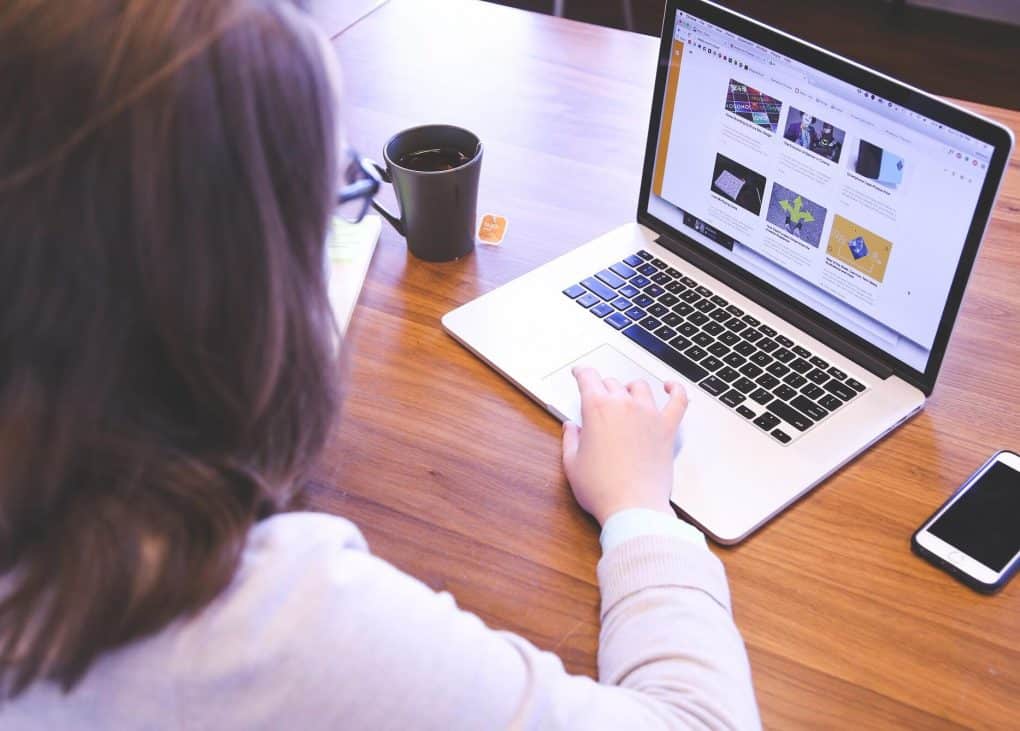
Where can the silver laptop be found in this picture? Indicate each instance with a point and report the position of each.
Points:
(804, 235)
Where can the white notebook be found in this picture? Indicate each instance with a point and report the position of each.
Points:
(349, 249)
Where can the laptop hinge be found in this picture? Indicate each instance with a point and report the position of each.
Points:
(783, 310)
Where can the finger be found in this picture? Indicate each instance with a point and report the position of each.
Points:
(613, 385)
(676, 407)
(641, 392)
(588, 381)
(571, 441)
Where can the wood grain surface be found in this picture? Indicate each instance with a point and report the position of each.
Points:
(455, 477)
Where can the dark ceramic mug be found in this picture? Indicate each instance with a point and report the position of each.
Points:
(438, 208)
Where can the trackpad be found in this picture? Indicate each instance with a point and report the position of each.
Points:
(560, 387)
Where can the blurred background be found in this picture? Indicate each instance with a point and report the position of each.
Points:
(967, 49)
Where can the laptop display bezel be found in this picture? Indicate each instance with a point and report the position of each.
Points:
(855, 74)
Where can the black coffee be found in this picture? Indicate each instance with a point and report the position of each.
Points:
(434, 160)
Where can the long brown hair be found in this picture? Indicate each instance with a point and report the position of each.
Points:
(167, 171)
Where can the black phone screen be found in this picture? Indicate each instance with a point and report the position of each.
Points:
(985, 522)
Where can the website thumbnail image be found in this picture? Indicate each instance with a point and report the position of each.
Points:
(814, 134)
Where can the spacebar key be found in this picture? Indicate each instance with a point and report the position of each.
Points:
(681, 363)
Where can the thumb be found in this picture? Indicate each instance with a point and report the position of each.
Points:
(571, 441)
(676, 407)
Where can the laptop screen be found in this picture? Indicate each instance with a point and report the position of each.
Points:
(851, 204)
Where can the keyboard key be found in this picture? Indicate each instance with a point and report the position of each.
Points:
(675, 287)
(657, 310)
(783, 340)
(750, 370)
(767, 330)
(818, 362)
(752, 321)
(781, 435)
(713, 328)
(727, 374)
(837, 373)
(682, 308)
(659, 263)
(809, 407)
(673, 272)
(711, 363)
(574, 291)
(855, 385)
(744, 385)
(778, 370)
(698, 318)
(690, 296)
(735, 311)
(761, 359)
(714, 385)
(751, 335)
(618, 320)
(794, 380)
(661, 278)
(669, 299)
(689, 282)
(766, 421)
(790, 415)
(650, 324)
(818, 376)
(653, 290)
(665, 333)
(718, 349)
(704, 291)
(744, 348)
(622, 303)
(635, 313)
(644, 255)
(720, 315)
(736, 325)
(622, 270)
(688, 328)
(606, 293)
(672, 319)
(801, 351)
(610, 278)
(800, 365)
(675, 360)
(745, 412)
(647, 269)
(733, 398)
(680, 342)
(695, 353)
(812, 391)
(783, 355)
(703, 339)
(735, 359)
(767, 380)
(729, 337)
(640, 281)
(761, 396)
(628, 290)
(830, 402)
(704, 306)
(643, 300)
(601, 309)
(785, 392)
(719, 301)
(840, 390)
(633, 260)
(587, 299)
(768, 345)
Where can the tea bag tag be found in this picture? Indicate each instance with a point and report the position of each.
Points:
(492, 229)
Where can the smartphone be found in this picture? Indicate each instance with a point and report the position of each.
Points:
(975, 536)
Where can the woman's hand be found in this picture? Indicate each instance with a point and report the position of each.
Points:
(623, 456)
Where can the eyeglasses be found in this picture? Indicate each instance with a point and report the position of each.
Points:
(361, 183)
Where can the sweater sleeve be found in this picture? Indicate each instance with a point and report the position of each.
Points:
(349, 641)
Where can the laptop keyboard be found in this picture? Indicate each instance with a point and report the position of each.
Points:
(760, 374)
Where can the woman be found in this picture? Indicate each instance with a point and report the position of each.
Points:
(168, 373)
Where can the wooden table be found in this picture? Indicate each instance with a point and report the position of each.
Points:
(455, 476)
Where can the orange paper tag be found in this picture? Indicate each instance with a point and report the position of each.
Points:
(492, 229)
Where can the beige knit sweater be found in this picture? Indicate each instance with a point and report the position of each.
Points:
(316, 633)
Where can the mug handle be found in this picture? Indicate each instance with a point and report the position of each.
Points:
(395, 221)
